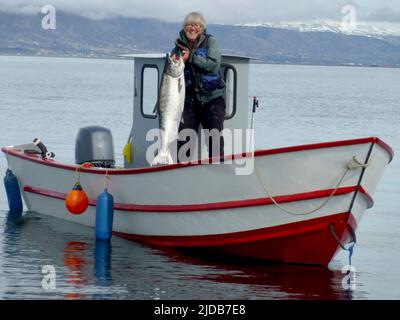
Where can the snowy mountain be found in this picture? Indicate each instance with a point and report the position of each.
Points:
(377, 30)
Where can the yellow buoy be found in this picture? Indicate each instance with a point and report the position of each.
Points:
(128, 151)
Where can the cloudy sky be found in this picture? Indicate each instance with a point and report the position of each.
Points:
(219, 11)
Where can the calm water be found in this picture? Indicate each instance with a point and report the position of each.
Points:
(52, 98)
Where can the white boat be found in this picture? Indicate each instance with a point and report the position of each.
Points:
(299, 204)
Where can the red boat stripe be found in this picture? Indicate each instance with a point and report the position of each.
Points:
(215, 205)
(258, 153)
(376, 140)
(250, 236)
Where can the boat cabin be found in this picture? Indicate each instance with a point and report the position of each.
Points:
(148, 69)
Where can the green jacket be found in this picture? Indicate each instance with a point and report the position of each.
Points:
(197, 64)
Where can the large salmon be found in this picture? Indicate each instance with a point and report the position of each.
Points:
(172, 100)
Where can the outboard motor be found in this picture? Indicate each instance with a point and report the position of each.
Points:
(95, 144)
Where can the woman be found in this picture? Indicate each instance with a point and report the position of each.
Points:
(204, 100)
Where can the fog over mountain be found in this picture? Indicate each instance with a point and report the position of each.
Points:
(216, 11)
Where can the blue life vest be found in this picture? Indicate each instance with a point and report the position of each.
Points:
(197, 79)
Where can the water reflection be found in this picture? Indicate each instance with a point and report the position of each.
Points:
(74, 260)
(102, 263)
(269, 279)
(121, 269)
(76, 254)
(14, 217)
(12, 224)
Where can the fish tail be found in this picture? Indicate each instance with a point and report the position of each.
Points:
(162, 158)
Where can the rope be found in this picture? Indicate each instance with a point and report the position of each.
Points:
(78, 174)
(352, 243)
(352, 164)
(8, 153)
(106, 180)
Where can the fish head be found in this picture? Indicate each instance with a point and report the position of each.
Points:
(175, 66)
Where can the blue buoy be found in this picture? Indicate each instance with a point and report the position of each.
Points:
(102, 264)
(104, 215)
(13, 193)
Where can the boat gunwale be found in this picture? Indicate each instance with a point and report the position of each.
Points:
(264, 152)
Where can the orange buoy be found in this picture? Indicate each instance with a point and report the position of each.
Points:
(77, 200)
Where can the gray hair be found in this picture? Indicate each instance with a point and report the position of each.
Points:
(195, 17)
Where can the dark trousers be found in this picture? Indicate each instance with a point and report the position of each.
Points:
(211, 116)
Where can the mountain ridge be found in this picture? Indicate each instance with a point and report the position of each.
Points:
(110, 38)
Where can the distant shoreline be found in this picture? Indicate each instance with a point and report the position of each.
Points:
(254, 61)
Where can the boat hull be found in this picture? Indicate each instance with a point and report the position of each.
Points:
(211, 206)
